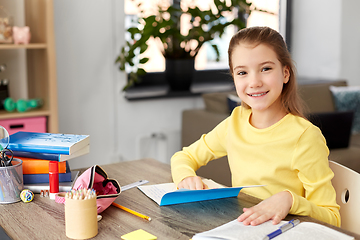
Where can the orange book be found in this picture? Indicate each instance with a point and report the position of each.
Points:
(39, 166)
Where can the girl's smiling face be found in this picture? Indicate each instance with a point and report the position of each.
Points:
(259, 76)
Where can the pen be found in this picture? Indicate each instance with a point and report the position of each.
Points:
(282, 228)
(131, 211)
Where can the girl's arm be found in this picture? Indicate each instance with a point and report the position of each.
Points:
(319, 199)
(209, 147)
(311, 162)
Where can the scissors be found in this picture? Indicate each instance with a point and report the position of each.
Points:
(5, 160)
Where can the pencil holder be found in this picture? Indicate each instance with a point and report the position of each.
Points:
(81, 218)
(11, 182)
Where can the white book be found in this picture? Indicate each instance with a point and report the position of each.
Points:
(235, 230)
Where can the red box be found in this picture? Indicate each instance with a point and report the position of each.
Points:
(33, 124)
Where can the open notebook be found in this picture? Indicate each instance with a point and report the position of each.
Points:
(167, 193)
(235, 230)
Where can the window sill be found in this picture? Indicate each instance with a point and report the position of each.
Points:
(154, 86)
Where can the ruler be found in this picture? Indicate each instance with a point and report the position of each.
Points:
(132, 185)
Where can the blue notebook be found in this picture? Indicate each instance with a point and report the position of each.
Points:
(53, 156)
(44, 178)
(167, 194)
(56, 143)
(63, 186)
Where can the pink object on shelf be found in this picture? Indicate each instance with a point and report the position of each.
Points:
(33, 124)
(21, 35)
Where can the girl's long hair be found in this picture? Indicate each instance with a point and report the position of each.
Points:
(264, 35)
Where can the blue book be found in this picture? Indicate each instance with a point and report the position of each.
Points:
(48, 142)
(63, 186)
(52, 156)
(44, 178)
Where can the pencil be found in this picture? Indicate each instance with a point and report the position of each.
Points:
(131, 211)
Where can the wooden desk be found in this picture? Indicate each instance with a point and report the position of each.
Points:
(44, 219)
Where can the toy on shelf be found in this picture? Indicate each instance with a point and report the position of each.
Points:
(21, 35)
(22, 105)
(4, 91)
(6, 23)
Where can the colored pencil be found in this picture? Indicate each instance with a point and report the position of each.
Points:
(132, 211)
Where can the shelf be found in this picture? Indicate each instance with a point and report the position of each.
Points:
(24, 46)
(33, 113)
(32, 66)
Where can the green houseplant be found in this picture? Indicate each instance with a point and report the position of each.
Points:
(165, 26)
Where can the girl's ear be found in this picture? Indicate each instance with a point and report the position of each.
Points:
(286, 73)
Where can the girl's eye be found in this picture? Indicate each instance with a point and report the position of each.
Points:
(265, 69)
(241, 73)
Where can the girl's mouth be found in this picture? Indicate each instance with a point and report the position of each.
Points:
(258, 94)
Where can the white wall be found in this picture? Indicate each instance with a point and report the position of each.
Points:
(326, 39)
(89, 34)
(350, 42)
(316, 38)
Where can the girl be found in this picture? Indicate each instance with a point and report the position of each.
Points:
(267, 139)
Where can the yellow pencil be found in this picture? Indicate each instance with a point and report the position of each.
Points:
(131, 211)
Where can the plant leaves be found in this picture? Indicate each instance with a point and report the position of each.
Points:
(216, 49)
(143, 48)
(143, 60)
(203, 27)
(141, 71)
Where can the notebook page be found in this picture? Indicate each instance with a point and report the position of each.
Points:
(235, 230)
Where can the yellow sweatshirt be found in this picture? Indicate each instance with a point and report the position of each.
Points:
(290, 155)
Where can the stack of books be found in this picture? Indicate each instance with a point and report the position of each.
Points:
(36, 150)
(37, 170)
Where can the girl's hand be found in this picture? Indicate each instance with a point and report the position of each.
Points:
(275, 207)
(193, 183)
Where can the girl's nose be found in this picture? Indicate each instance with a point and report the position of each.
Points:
(255, 81)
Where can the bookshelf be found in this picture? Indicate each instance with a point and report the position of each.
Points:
(38, 59)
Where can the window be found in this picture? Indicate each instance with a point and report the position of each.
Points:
(206, 57)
